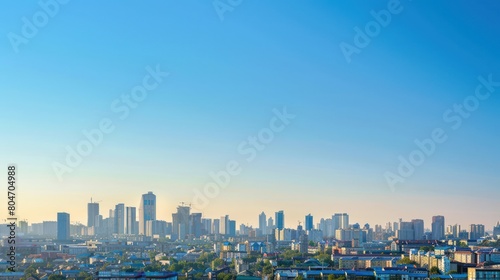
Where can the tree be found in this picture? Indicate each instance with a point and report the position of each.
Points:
(406, 260)
(434, 270)
(311, 243)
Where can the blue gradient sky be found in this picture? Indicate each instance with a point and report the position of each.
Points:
(353, 119)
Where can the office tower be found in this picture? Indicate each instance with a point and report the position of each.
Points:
(207, 226)
(216, 226)
(309, 222)
(270, 225)
(438, 227)
(147, 211)
(340, 221)
(280, 219)
(62, 226)
(476, 232)
(418, 229)
(496, 229)
(92, 213)
(130, 221)
(156, 227)
(180, 222)
(263, 223)
(224, 225)
(405, 231)
(23, 227)
(119, 226)
(195, 225)
(231, 228)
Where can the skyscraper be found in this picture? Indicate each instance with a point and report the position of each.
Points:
(418, 229)
(309, 222)
(62, 226)
(216, 226)
(263, 223)
(224, 225)
(147, 211)
(340, 221)
(130, 221)
(280, 219)
(92, 213)
(119, 222)
(180, 222)
(476, 231)
(438, 227)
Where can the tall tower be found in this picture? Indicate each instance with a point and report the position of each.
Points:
(438, 227)
(62, 226)
(147, 211)
(309, 222)
(130, 222)
(263, 223)
(92, 213)
(280, 219)
(119, 222)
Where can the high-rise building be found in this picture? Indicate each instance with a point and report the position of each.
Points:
(418, 229)
(131, 221)
(180, 222)
(92, 213)
(63, 226)
(263, 223)
(309, 222)
(270, 225)
(119, 226)
(195, 225)
(438, 227)
(476, 232)
(216, 226)
(224, 225)
(207, 226)
(231, 226)
(280, 219)
(147, 211)
(496, 229)
(405, 231)
(340, 221)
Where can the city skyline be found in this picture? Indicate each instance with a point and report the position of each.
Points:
(341, 219)
(303, 104)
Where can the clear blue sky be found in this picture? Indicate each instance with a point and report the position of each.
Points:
(352, 121)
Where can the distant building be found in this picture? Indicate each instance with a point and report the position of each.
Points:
(147, 211)
(309, 223)
(131, 221)
(92, 213)
(263, 223)
(496, 229)
(438, 227)
(180, 222)
(119, 222)
(340, 221)
(280, 220)
(476, 232)
(418, 229)
(63, 226)
(216, 226)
